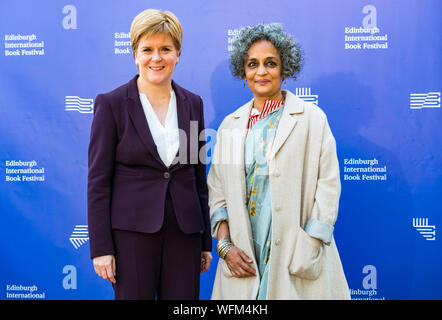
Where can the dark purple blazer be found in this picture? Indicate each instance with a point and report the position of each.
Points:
(127, 180)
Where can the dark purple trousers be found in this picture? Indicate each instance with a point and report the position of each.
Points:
(164, 265)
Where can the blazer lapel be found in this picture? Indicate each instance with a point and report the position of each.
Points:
(183, 114)
(136, 113)
(292, 106)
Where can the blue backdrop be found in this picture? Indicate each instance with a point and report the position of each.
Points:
(373, 66)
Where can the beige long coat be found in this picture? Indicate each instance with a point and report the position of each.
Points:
(304, 184)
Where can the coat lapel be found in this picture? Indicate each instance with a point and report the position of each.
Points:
(136, 113)
(292, 106)
(241, 120)
(238, 133)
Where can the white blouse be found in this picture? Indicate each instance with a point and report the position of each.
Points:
(166, 137)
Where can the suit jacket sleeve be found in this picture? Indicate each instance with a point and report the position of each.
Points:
(201, 182)
(103, 141)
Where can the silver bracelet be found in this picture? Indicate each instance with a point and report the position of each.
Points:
(223, 246)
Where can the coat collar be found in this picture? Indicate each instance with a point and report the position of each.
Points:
(293, 105)
(136, 113)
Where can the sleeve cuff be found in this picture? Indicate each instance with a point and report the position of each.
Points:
(219, 215)
(319, 230)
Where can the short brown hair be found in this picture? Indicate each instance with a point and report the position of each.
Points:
(153, 21)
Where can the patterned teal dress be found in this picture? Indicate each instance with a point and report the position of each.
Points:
(257, 149)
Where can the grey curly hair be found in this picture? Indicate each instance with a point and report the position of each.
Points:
(291, 54)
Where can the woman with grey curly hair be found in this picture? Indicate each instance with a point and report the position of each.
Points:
(290, 52)
(274, 183)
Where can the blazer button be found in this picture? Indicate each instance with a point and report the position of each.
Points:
(166, 175)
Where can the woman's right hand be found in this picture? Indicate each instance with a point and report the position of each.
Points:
(105, 267)
(239, 263)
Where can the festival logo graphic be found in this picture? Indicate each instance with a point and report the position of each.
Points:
(79, 236)
(426, 230)
(369, 290)
(306, 95)
(75, 103)
(70, 280)
(70, 19)
(17, 44)
(424, 100)
(122, 43)
(24, 292)
(368, 35)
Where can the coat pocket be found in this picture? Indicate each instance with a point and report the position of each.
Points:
(225, 269)
(307, 258)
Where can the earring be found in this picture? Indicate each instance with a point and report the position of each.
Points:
(244, 84)
(285, 84)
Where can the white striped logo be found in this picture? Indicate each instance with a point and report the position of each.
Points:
(79, 236)
(424, 100)
(74, 103)
(305, 94)
(427, 231)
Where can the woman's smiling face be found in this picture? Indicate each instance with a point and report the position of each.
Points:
(156, 58)
(263, 70)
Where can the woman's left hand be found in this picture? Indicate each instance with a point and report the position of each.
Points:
(206, 258)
